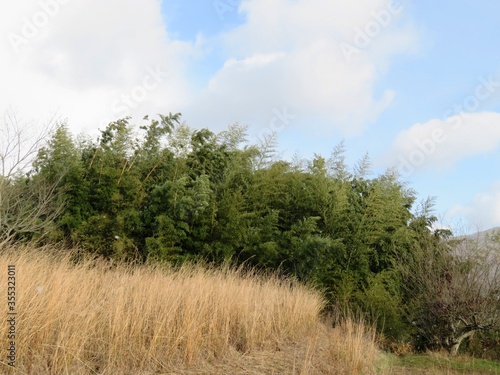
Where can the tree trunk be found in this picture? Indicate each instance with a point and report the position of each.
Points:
(458, 341)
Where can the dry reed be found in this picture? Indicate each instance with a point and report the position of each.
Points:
(90, 318)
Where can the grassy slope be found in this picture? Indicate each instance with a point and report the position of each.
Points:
(93, 319)
(443, 364)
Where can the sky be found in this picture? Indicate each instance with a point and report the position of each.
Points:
(415, 84)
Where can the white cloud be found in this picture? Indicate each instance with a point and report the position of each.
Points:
(289, 53)
(440, 144)
(483, 211)
(78, 58)
(83, 59)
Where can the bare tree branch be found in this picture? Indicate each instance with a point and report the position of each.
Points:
(27, 204)
(20, 142)
(455, 289)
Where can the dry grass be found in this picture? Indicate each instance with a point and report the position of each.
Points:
(90, 319)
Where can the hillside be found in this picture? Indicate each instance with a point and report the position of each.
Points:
(177, 195)
(480, 244)
(481, 236)
(94, 318)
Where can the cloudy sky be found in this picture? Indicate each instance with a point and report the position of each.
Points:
(416, 84)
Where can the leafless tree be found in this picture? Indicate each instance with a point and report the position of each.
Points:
(27, 204)
(454, 290)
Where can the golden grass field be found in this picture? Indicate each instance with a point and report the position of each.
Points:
(90, 318)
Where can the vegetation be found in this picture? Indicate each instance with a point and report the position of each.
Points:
(95, 317)
(27, 204)
(443, 364)
(453, 291)
(169, 194)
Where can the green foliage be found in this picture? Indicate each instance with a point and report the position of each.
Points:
(437, 364)
(484, 344)
(173, 193)
(381, 301)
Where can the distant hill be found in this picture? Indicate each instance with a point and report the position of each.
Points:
(483, 236)
(480, 240)
(485, 243)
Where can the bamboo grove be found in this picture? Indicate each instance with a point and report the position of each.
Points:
(167, 192)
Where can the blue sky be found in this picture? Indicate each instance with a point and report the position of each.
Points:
(416, 84)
